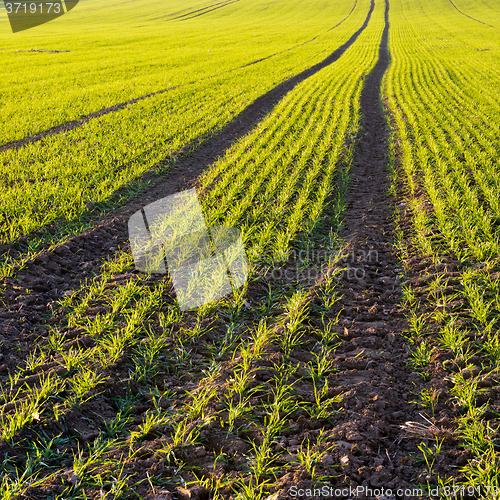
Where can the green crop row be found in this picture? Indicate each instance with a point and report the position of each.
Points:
(103, 54)
(481, 11)
(441, 89)
(53, 182)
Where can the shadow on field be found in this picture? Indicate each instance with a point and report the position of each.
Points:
(253, 114)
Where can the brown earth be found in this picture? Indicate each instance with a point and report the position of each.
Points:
(378, 385)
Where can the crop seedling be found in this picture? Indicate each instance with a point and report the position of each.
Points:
(429, 454)
(309, 456)
(321, 366)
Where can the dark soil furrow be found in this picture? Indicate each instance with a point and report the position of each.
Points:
(373, 374)
(66, 127)
(467, 15)
(369, 452)
(307, 41)
(184, 18)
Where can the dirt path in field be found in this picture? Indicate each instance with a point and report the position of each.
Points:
(66, 127)
(50, 275)
(378, 385)
(372, 452)
(307, 41)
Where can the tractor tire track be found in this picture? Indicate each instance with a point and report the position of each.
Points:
(373, 374)
(217, 5)
(303, 43)
(467, 15)
(66, 127)
(184, 18)
(345, 19)
(376, 383)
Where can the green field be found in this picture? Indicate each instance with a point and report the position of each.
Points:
(136, 139)
(268, 109)
(449, 170)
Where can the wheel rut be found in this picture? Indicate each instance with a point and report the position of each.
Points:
(470, 17)
(73, 124)
(372, 360)
(372, 374)
(205, 11)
